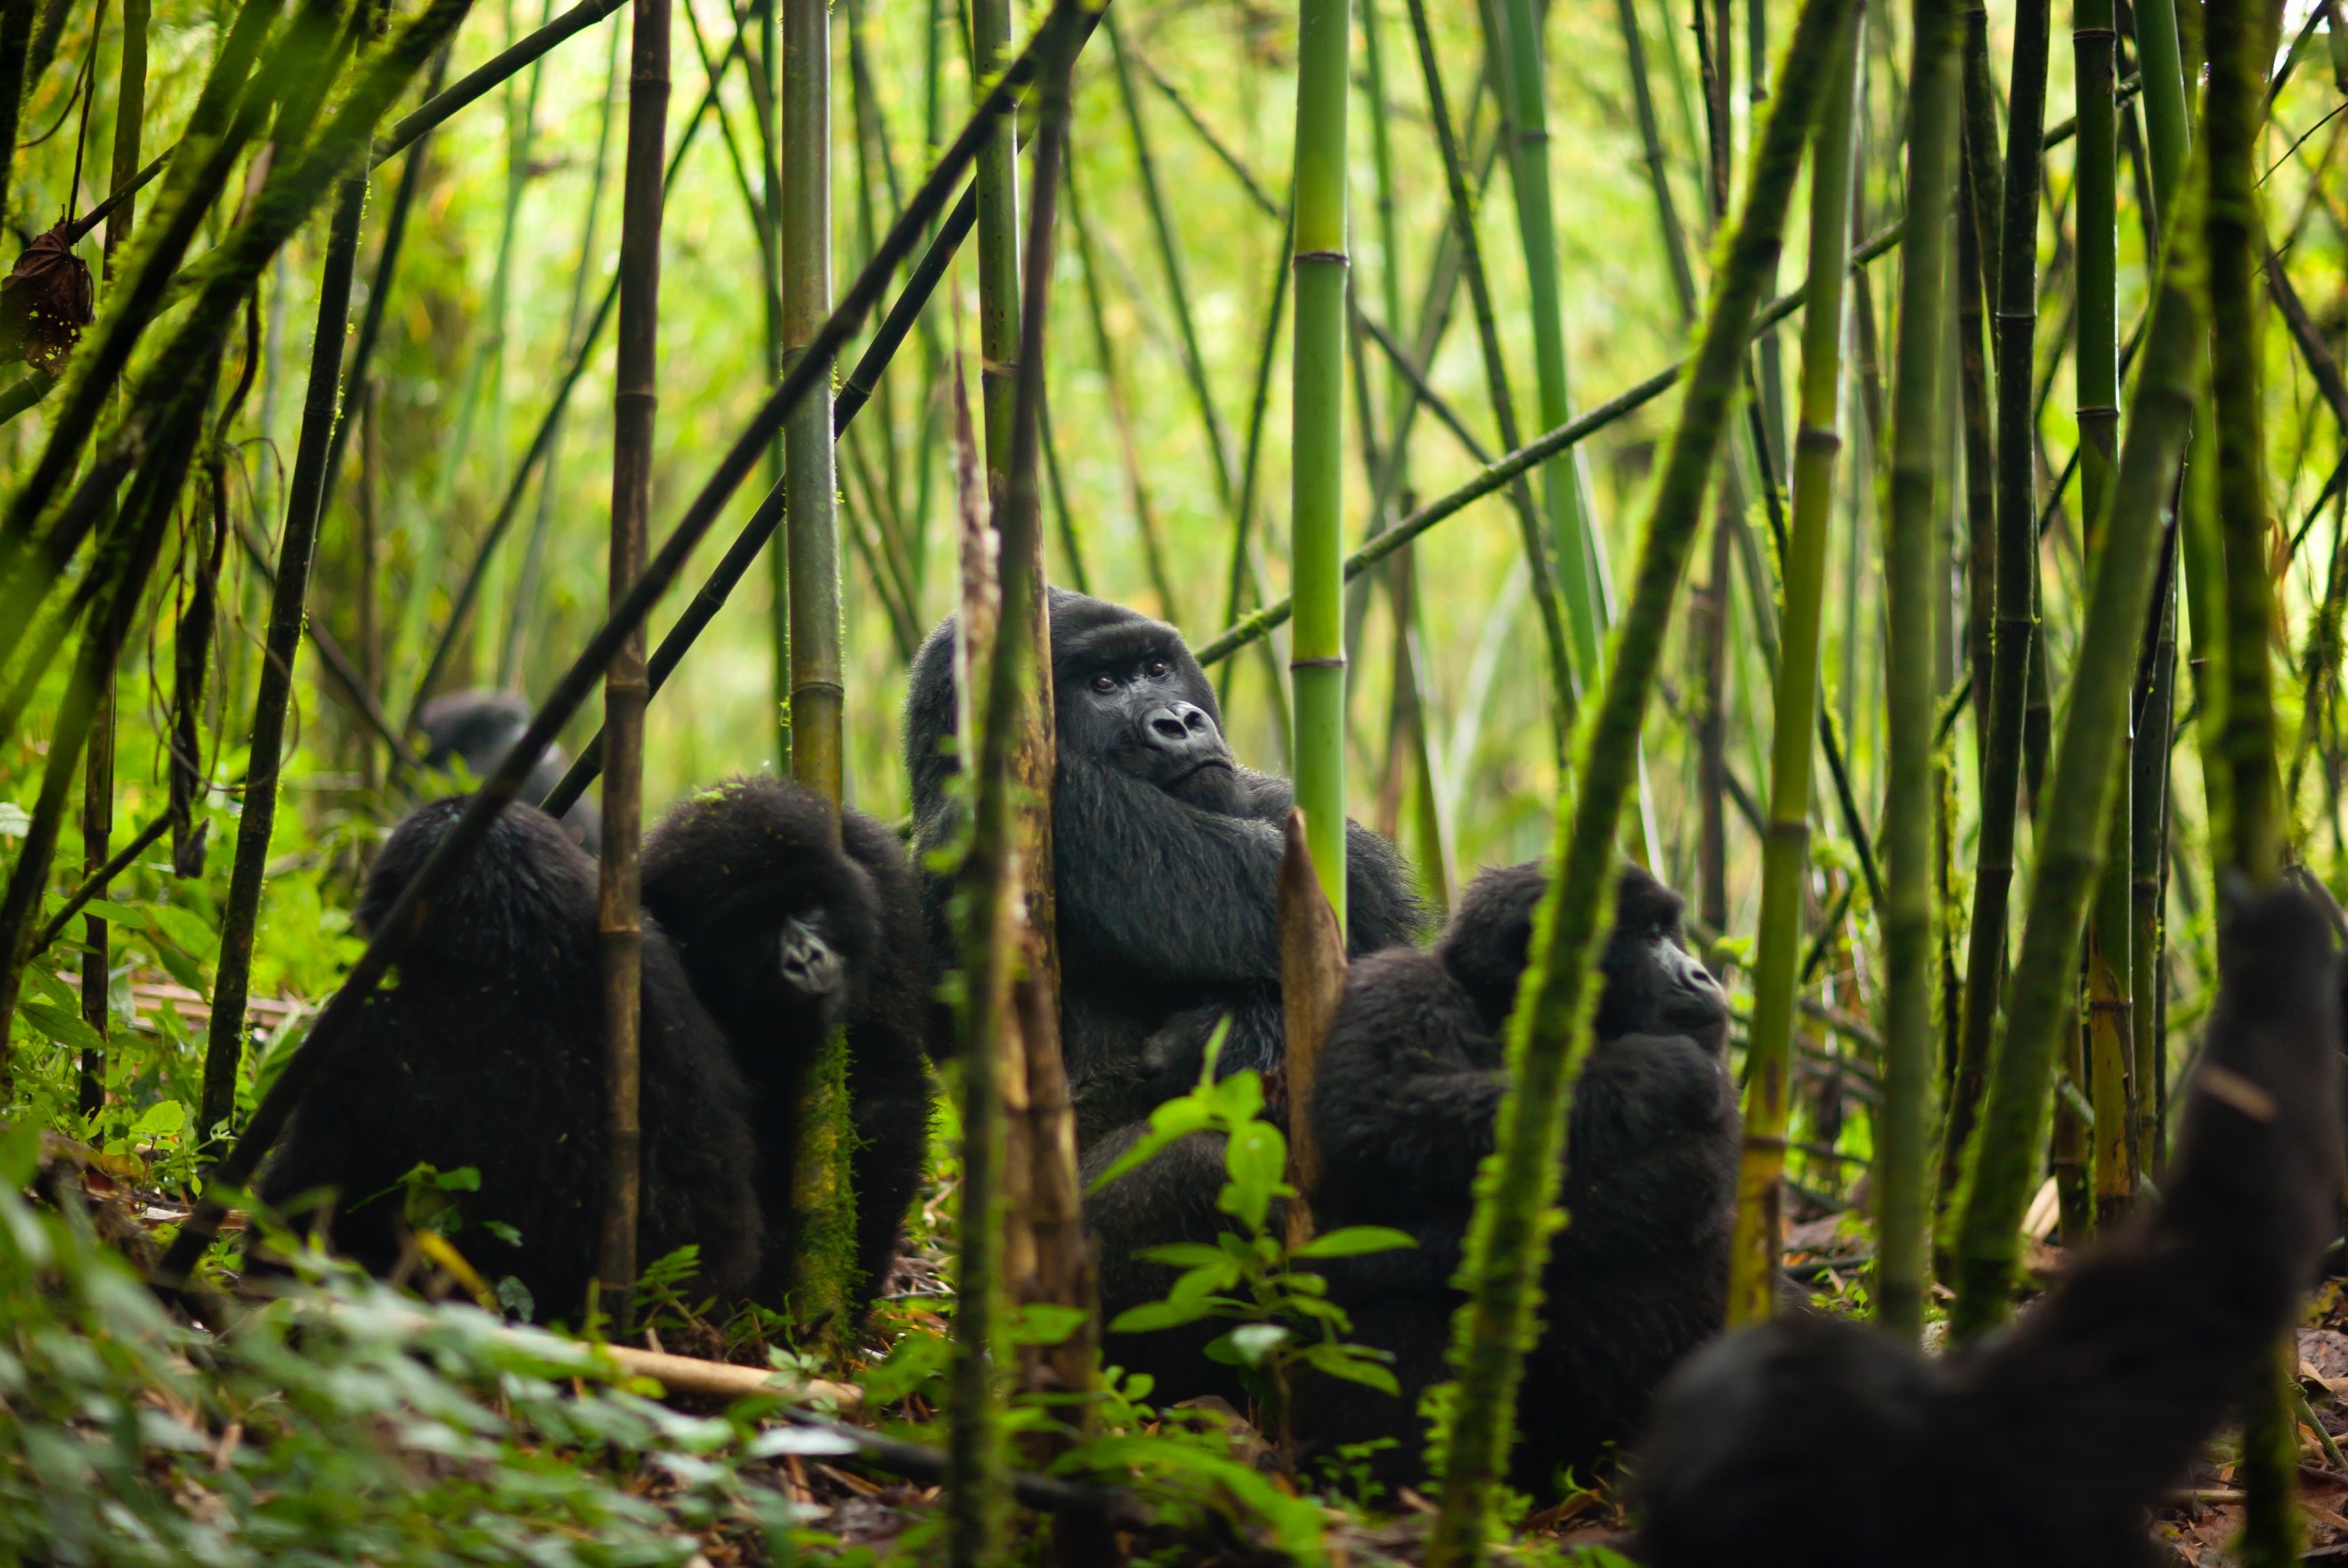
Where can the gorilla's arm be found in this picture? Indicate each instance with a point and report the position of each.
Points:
(1382, 906)
(2148, 1343)
(1405, 1096)
(2062, 1435)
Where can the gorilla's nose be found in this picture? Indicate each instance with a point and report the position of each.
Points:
(810, 965)
(1179, 727)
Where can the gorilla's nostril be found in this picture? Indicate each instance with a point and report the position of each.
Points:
(1172, 729)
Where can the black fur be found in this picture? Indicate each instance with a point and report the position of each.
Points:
(1409, 1081)
(737, 875)
(486, 1048)
(1164, 858)
(480, 728)
(1166, 855)
(1832, 1446)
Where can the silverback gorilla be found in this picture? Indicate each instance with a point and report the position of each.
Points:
(785, 934)
(488, 1050)
(1165, 854)
(1829, 1445)
(1409, 1081)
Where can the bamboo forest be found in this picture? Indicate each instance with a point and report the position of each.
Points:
(1203, 782)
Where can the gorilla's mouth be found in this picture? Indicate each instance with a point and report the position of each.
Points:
(1223, 764)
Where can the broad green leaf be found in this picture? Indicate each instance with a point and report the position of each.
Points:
(1355, 1239)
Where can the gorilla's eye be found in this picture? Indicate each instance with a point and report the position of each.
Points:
(1104, 683)
(1157, 669)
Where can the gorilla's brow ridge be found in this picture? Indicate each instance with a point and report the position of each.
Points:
(1123, 642)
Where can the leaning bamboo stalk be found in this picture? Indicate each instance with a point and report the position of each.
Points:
(125, 559)
(1317, 652)
(1547, 1036)
(1059, 38)
(2070, 837)
(1757, 1247)
(619, 917)
(1504, 470)
(2015, 627)
(1911, 611)
(224, 1043)
(1017, 685)
(209, 146)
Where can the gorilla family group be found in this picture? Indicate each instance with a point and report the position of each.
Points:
(1808, 1441)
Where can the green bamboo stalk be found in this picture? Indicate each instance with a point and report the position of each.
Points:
(2071, 836)
(224, 1043)
(2015, 627)
(619, 916)
(998, 251)
(2235, 228)
(1547, 1038)
(823, 1221)
(1563, 691)
(766, 93)
(1317, 655)
(1753, 1262)
(1565, 490)
(2095, 377)
(1910, 612)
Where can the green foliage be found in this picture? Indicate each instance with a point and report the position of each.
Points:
(1282, 1316)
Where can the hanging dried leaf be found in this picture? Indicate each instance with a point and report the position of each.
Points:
(45, 302)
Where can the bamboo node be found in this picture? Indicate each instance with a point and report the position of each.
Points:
(1333, 662)
(2094, 36)
(800, 688)
(1337, 256)
(1817, 438)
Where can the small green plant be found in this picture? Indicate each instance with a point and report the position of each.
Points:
(1281, 1315)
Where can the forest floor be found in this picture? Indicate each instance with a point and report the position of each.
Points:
(847, 1505)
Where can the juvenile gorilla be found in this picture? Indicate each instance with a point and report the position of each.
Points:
(480, 728)
(1165, 853)
(785, 934)
(1830, 1445)
(488, 1050)
(1409, 1081)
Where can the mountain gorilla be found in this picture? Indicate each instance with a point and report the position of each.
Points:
(488, 1050)
(480, 728)
(1830, 1445)
(1410, 1079)
(787, 934)
(1166, 853)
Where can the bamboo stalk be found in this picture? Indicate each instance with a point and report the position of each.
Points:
(490, 74)
(1017, 687)
(635, 401)
(297, 548)
(2234, 118)
(1910, 609)
(1546, 1038)
(2095, 377)
(1758, 1245)
(1317, 655)
(1059, 38)
(2015, 628)
(214, 137)
(2071, 832)
(126, 557)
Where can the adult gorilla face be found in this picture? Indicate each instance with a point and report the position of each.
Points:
(1130, 696)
